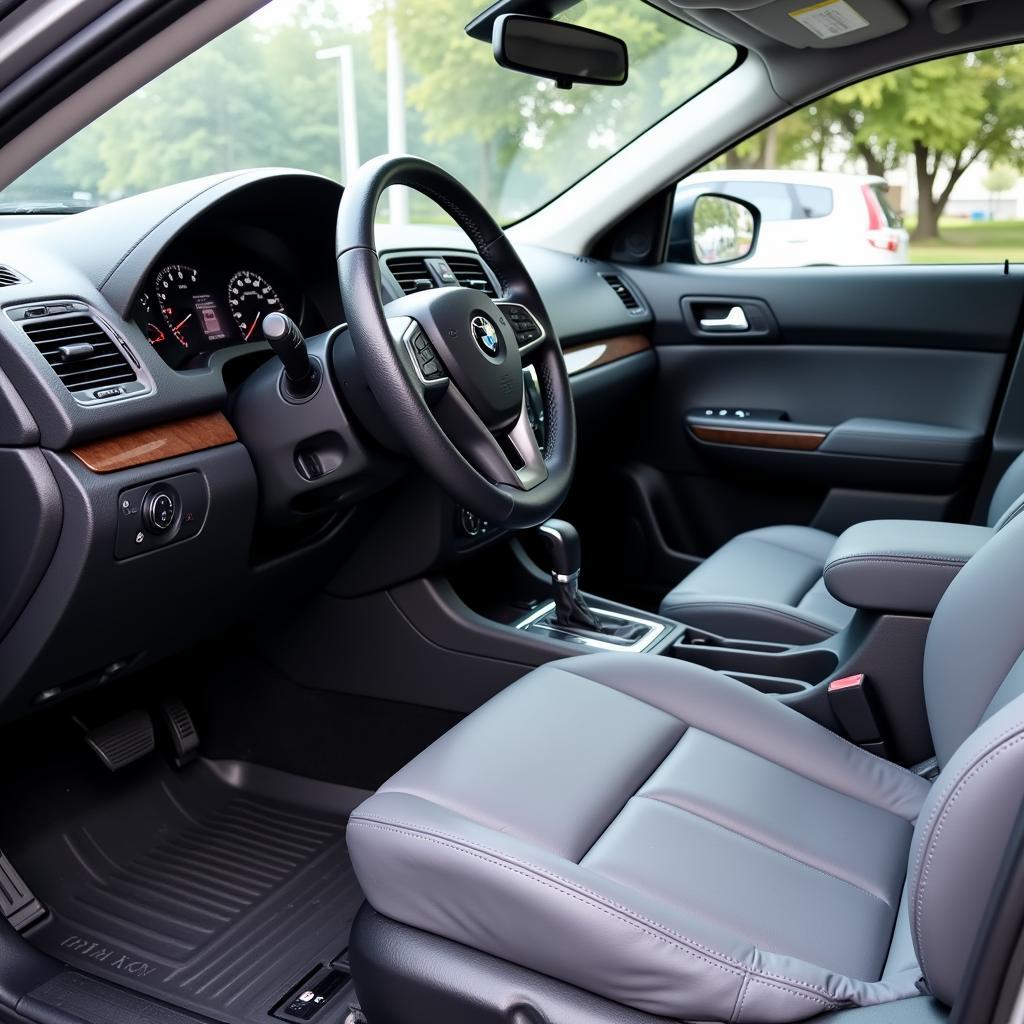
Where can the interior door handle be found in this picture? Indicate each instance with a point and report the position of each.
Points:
(734, 320)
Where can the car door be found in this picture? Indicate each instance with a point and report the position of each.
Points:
(850, 394)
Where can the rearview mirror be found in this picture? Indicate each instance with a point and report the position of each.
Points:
(556, 50)
(710, 229)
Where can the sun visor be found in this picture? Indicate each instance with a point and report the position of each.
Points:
(821, 25)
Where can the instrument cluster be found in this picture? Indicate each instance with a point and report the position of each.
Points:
(190, 309)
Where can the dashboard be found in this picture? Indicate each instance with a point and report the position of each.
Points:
(135, 384)
(209, 294)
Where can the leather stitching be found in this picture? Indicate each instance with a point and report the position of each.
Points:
(600, 902)
(741, 998)
(767, 846)
(895, 558)
(945, 803)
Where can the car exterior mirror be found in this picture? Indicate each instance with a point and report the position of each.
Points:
(715, 229)
(553, 49)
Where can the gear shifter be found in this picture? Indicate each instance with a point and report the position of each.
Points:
(563, 544)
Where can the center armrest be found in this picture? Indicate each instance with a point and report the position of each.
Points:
(900, 565)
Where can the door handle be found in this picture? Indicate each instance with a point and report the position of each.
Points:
(734, 320)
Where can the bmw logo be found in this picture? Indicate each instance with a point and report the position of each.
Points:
(485, 334)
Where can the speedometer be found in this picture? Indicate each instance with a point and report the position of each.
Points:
(251, 298)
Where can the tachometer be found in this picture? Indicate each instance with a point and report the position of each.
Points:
(175, 289)
(155, 334)
(251, 298)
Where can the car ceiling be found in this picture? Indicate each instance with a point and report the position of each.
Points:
(804, 67)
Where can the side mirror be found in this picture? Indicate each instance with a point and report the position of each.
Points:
(710, 229)
(556, 50)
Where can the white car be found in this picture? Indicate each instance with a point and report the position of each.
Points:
(812, 218)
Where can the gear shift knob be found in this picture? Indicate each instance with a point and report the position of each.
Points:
(563, 545)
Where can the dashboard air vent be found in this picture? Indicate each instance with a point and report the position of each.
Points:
(411, 273)
(470, 274)
(9, 277)
(628, 299)
(80, 351)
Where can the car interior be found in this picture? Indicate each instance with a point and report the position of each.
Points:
(489, 621)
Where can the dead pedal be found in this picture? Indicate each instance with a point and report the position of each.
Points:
(181, 729)
(17, 903)
(124, 740)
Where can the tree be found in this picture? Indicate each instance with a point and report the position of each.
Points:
(946, 114)
(999, 179)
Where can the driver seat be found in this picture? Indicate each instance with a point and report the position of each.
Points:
(664, 839)
(768, 584)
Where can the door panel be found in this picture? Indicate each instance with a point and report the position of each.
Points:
(871, 394)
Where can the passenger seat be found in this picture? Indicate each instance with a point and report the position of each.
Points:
(767, 584)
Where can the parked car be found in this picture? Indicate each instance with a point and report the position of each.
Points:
(811, 218)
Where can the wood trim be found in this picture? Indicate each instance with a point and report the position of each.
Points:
(600, 353)
(791, 440)
(152, 444)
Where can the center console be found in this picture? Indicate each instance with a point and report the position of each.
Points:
(893, 572)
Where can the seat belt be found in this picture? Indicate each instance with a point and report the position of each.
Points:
(851, 702)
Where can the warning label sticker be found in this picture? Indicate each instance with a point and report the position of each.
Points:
(830, 19)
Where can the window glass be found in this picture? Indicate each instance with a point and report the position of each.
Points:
(921, 165)
(813, 200)
(324, 85)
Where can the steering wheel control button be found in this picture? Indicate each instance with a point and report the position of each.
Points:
(159, 513)
(428, 365)
(524, 325)
(160, 509)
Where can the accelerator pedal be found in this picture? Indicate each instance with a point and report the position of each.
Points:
(181, 729)
(124, 740)
(17, 903)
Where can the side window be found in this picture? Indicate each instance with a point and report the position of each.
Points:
(921, 165)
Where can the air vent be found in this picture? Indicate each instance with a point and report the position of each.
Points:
(628, 299)
(9, 277)
(471, 274)
(81, 352)
(411, 273)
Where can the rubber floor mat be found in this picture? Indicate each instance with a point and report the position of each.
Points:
(216, 889)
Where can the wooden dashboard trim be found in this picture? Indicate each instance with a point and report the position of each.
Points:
(593, 354)
(151, 444)
(790, 440)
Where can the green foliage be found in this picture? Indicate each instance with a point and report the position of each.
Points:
(1000, 178)
(257, 96)
(945, 113)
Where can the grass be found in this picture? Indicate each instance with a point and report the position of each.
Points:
(965, 241)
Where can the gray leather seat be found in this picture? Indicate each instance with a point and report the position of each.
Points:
(662, 836)
(767, 584)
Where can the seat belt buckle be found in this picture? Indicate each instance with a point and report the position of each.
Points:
(851, 703)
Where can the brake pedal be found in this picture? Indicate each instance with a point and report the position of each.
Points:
(124, 740)
(182, 730)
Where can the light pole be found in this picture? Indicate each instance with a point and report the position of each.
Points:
(348, 126)
(398, 196)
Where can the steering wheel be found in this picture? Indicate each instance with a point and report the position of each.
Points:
(446, 365)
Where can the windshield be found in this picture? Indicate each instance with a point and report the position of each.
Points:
(325, 84)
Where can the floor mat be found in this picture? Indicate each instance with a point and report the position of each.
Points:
(218, 888)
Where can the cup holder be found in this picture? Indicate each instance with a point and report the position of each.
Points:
(771, 668)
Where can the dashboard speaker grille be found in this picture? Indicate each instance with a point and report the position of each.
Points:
(79, 351)
(470, 274)
(626, 297)
(411, 273)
